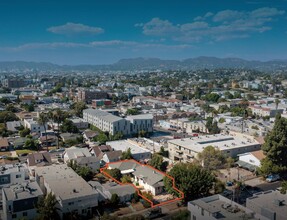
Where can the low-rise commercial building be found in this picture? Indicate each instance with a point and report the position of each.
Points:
(186, 149)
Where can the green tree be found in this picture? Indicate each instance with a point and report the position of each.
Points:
(5, 100)
(7, 116)
(78, 108)
(115, 199)
(28, 107)
(132, 111)
(149, 196)
(212, 126)
(275, 147)
(126, 179)
(25, 132)
(59, 116)
(46, 207)
(126, 155)
(277, 101)
(142, 133)
(115, 173)
(163, 152)
(11, 108)
(211, 97)
(43, 120)
(283, 189)
(83, 171)
(158, 163)
(219, 187)
(31, 144)
(193, 180)
(69, 127)
(211, 158)
(221, 120)
(102, 138)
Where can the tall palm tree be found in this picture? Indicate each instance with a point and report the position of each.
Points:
(58, 116)
(277, 101)
(42, 120)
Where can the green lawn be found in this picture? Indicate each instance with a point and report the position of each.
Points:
(24, 151)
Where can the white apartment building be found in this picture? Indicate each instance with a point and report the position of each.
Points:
(114, 124)
(186, 149)
(106, 121)
(19, 201)
(72, 192)
(34, 126)
(13, 174)
(140, 122)
(266, 111)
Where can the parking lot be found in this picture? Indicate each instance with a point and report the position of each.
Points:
(238, 174)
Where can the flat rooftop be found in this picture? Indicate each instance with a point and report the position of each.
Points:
(223, 208)
(270, 202)
(140, 117)
(124, 145)
(12, 168)
(21, 191)
(223, 142)
(64, 182)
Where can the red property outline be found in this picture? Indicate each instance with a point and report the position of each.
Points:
(152, 205)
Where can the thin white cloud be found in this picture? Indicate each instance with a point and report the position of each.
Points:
(95, 44)
(223, 25)
(75, 28)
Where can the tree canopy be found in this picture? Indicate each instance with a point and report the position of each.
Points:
(275, 148)
(211, 158)
(115, 173)
(193, 180)
(158, 163)
(46, 207)
(132, 111)
(83, 171)
(7, 116)
(126, 155)
(68, 126)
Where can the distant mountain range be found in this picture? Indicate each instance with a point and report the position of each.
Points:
(153, 64)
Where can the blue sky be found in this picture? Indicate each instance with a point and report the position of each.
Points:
(101, 32)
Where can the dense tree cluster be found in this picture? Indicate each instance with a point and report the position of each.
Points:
(275, 148)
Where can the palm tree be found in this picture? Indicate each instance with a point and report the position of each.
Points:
(42, 120)
(58, 116)
(46, 207)
(277, 101)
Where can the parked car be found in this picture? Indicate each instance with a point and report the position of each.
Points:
(3, 157)
(229, 183)
(272, 178)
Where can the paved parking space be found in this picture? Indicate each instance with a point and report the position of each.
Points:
(235, 174)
